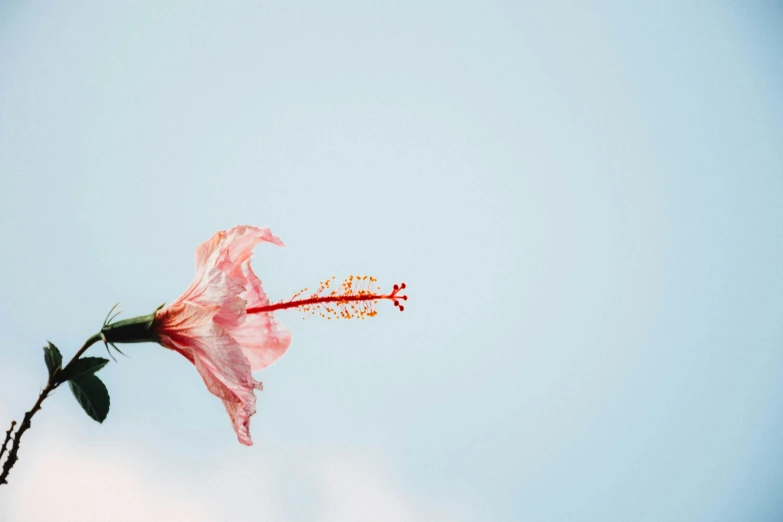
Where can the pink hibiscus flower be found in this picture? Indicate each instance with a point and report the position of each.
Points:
(223, 322)
(210, 326)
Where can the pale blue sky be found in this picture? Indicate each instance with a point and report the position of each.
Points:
(585, 202)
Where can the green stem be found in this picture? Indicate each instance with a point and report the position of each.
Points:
(51, 385)
(89, 342)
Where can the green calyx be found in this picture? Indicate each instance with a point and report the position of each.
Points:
(134, 330)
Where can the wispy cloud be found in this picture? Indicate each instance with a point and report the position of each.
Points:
(69, 480)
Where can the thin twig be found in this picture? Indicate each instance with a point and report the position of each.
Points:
(7, 438)
(51, 385)
(12, 455)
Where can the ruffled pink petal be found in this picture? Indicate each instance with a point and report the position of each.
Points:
(238, 398)
(263, 340)
(226, 251)
(217, 357)
(206, 250)
(242, 239)
(180, 321)
(262, 337)
(254, 292)
(225, 292)
(237, 244)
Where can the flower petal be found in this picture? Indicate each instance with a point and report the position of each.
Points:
(262, 337)
(217, 357)
(237, 243)
(263, 340)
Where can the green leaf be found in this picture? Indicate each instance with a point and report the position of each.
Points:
(85, 365)
(52, 358)
(92, 395)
